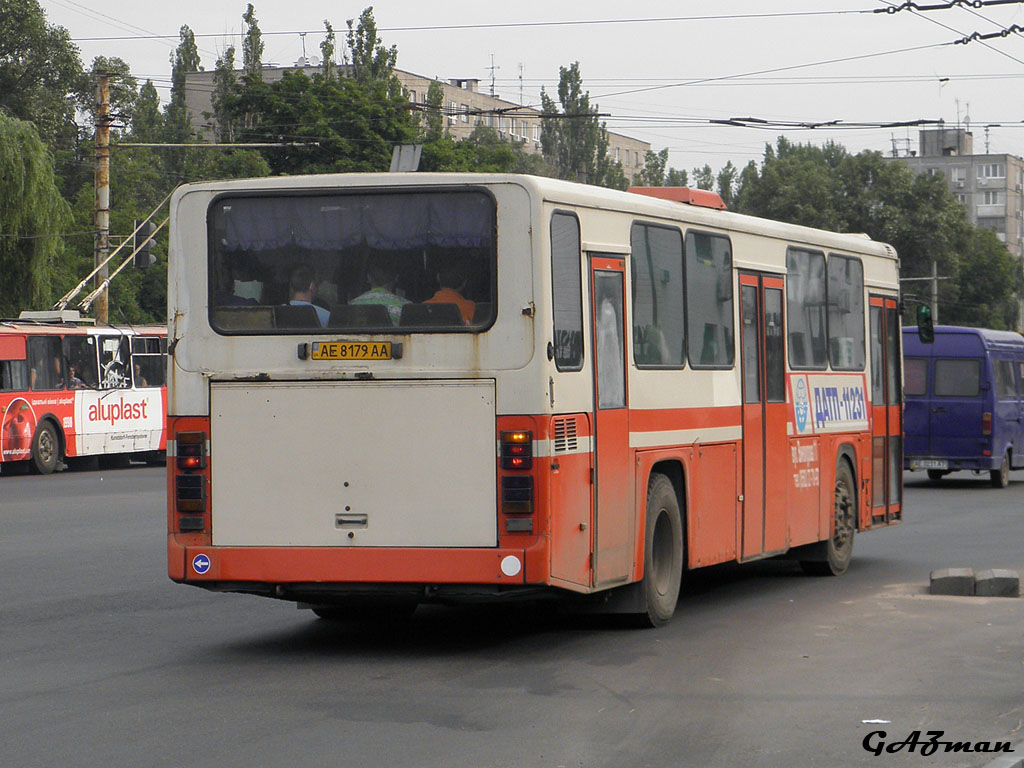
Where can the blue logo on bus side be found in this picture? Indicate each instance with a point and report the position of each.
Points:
(200, 564)
(801, 405)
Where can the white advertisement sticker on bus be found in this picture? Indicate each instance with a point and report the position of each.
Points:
(828, 403)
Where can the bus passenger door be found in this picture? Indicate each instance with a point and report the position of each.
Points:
(764, 415)
(886, 411)
(613, 471)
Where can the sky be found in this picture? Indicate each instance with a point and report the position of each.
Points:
(659, 71)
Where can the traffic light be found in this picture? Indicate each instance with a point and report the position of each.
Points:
(925, 328)
(144, 255)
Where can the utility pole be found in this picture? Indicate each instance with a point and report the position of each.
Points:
(102, 181)
(935, 292)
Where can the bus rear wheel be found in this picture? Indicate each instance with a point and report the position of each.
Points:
(45, 449)
(663, 552)
(1000, 478)
(838, 549)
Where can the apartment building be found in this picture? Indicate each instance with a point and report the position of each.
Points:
(465, 107)
(991, 187)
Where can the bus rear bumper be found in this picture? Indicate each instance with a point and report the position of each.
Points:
(205, 565)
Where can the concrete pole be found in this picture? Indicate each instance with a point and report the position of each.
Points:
(102, 182)
(935, 293)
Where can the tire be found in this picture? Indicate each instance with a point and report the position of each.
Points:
(936, 474)
(1000, 478)
(45, 449)
(838, 549)
(663, 553)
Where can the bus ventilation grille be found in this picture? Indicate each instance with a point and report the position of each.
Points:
(565, 434)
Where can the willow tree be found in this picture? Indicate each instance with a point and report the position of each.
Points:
(33, 217)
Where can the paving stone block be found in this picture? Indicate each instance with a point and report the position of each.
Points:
(952, 581)
(997, 582)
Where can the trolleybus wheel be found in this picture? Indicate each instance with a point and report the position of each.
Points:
(839, 547)
(45, 449)
(1001, 477)
(663, 552)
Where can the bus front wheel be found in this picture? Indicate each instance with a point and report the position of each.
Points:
(45, 449)
(663, 552)
(838, 549)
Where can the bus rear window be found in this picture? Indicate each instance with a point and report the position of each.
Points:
(915, 376)
(403, 262)
(957, 378)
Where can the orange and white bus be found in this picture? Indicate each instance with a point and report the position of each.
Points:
(510, 386)
(69, 389)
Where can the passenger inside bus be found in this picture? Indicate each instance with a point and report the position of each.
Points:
(452, 279)
(302, 288)
(74, 381)
(382, 276)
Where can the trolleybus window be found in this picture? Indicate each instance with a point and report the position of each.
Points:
(566, 289)
(709, 300)
(114, 354)
(354, 262)
(656, 270)
(13, 375)
(46, 366)
(805, 304)
(845, 313)
(80, 353)
(149, 362)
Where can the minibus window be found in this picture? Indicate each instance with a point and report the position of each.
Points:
(957, 378)
(915, 376)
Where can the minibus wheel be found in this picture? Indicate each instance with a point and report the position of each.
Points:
(936, 474)
(45, 449)
(1001, 477)
(663, 552)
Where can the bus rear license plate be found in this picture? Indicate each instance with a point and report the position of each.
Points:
(929, 464)
(351, 350)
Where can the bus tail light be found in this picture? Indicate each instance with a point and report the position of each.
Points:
(986, 423)
(517, 450)
(191, 451)
(517, 495)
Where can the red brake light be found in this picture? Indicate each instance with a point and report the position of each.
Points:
(191, 451)
(986, 423)
(517, 450)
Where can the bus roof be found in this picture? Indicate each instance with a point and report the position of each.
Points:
(558, 192)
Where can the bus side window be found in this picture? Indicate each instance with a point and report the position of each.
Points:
(80, 355)
(149, 361)
(46, 363)
(13, 375)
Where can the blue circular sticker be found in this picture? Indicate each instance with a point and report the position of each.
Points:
(801, 405)
(200, 564)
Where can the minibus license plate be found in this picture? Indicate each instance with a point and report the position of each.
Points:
(351, 350)
(929, 464)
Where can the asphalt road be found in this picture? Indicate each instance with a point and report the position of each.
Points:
(104, 661)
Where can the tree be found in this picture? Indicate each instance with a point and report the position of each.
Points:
(224, 95)
(327, 50)
(370, 60)
(33, 220)
(252, 45)
(573, 140)
(653, 172)
(41, 76)
(184, 59)
(704, 177)
(727, 183)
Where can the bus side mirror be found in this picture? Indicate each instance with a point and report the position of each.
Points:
(925, 328)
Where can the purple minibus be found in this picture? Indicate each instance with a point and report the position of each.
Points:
(964, 402)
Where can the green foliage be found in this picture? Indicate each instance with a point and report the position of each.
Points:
(370, 60)
(653, 172)
(704, 177)
(252, 45)
(726, 180)
(41, 76)
(573, 140)
(33, 217)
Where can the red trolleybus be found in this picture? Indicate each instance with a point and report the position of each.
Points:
(68, 389)
(412, 387)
